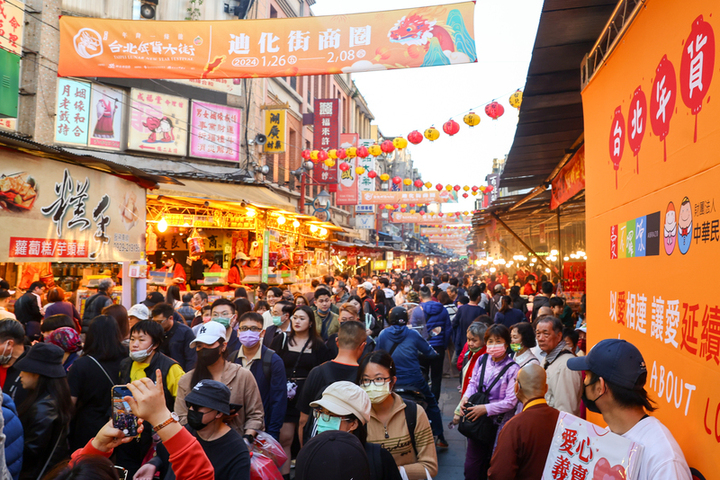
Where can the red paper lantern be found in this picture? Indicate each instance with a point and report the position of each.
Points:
(341, 154)
(474, 188)
(494, 110)
(440, 214)
(415, 137)
(465, 195)
(306, 154)
(397, 180)
(372, 174)
(489, 188)
(439, 187)
(344, 166)
(387, 146)
(396, 206)
(381, 207)
(362, 152)
(419, 183)
(457, 188)
(422, 212)
(322, 155)
(451, 127)
(402, 210)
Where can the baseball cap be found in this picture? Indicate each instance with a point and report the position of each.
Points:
(153, 299)
(617, 361)
(209, 333)
(367, 286)
(211, 394)
(139, 311)
(333, 455)
(345, 398)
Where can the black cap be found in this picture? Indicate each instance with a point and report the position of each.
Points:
(44, 359)
(210, 394)
(333, 455)
(153, 299)
(617, 361)
(4, 294)
(4, 285)
(398, 316)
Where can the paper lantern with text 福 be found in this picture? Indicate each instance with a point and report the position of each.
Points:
(314, 155)
(415, 137)
(329, 163)
(471, 119)
(351, 152)
(341, 153)
(432, 134)
(360, 170)
(344, 166)
(306, 154)
(362, 152)
(494, 110)
(451, 127)
(516, 99)
(375, 150)
(399, 143)
(387, 146)
(322, 155)
(332, 153)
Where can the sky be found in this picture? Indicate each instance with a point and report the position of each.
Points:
(416, 98)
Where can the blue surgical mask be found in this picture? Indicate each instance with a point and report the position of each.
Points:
(325, 426)
(277, 321)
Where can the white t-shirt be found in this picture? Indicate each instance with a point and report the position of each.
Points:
(662, 457)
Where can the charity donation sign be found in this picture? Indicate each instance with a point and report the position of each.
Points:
(413, 37)
(652, 137)
(63, 212)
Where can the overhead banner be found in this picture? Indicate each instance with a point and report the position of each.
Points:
(383, 197)
(570, 180)
(275, 130)
(62, 212)
(444, 230)
(280, 47)
(347, 193)
(400, 217)
(652, 138)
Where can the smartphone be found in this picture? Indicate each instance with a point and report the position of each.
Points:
(122, 416)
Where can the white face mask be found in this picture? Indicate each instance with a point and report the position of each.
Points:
(406, 289)
(377, 394)
(141, 355)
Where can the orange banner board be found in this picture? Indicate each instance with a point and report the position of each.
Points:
(652, 138)
(427, 219)
(414, 37)
(410, 198)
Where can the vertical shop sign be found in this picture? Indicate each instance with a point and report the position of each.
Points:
(73, 111)
(365, 183)
(347, 193)
(107, 107)
(215, 131)
(158, 123)
(325, 136)
(12, 25)
(265, 255)
(275, 130)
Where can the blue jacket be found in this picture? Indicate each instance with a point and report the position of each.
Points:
(273, 391)
(176, 345)
(436, 316)
(510, 318)
(14, 442)
(410, 345)
(465, 315)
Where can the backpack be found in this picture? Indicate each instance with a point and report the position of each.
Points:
(266, 361)
(411, 421)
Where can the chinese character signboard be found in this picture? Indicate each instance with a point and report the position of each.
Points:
(382, 197)
(570, 180)
(8, 123)
(653, 210)
(365, 183)
(158, 122)
(275, 130)
(409, 38)
(326, 136)
(225, 85)
(73, 112)
(582, 450)
(215, 131)
(12, 25)
(106, 117)
(347, 193)
(65, 212)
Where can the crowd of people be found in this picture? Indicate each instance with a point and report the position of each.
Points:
(345, 379)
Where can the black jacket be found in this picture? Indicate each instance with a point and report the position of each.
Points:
(27, 309)
(158, 361)
(93, 307)
(43, 429)
(176, 345)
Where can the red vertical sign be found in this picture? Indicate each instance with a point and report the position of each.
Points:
(347, 193)
(325, 136)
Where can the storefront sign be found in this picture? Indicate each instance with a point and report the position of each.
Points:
(365, 183)
(570, 180)
(326, 132)
(8, 124)
(12, 25)
(444, 230)
(106, 117)
(379, 265)
(662, 217)
(55, 211)
(365, 222)
(215, 131)
(158, 122)
(383, 197)
(275, 130)
(347, 193)
(399, 217)
(266, 256)
(232, 86)
(73, 111)
(414, 37)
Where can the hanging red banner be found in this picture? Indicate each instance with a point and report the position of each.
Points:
(326, 132)
(570, 180)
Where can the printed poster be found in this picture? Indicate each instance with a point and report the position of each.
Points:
(106, 117)
(215, 131)
(281, 47)
(158, 122)
(347, 193)
(365, 183)
(12, 25)
(72, 112)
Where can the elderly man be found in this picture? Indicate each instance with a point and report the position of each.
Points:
(564, 385)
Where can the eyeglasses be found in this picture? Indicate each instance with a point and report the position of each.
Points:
(326, 416)
(379, 382)
(252, 329)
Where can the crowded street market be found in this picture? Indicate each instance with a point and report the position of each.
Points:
(258, 239)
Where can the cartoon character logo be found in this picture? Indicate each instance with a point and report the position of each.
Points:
(685, 228)
(670, 229)
(88, 39)
(159, 125)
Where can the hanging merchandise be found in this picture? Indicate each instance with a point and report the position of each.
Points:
(471, 119)
(494, 110)
(196, 244)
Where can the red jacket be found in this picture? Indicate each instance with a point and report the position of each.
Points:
(461, 357)
(187, 457)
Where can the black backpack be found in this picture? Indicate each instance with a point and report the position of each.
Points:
(411, 421)
(483, 429)
(266, 361)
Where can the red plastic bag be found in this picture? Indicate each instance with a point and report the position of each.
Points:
(268, 447)
(262, 468)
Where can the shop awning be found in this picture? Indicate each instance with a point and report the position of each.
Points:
(227, 192)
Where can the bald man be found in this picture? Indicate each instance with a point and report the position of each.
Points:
(524, 441)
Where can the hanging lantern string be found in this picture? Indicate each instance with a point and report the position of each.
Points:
(462, 114)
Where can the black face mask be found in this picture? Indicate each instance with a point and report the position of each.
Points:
(208, 356)
(195, 420)
(590, 404)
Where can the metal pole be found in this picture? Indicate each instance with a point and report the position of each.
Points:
(517, 237)
(560, 249)
(301, 206)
